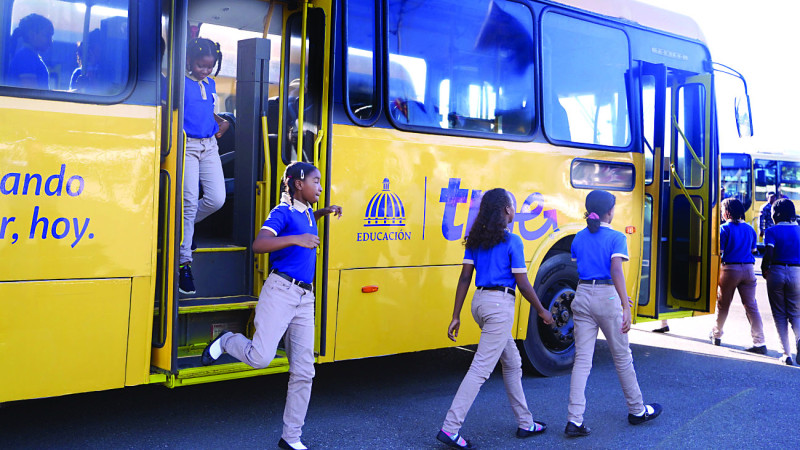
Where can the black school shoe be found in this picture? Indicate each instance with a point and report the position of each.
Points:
(636, 420)
(757, 349)
(285, 445)
(453, 442)
(573, 430)
(523, 433)
(206, 359)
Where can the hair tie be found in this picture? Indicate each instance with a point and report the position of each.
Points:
(302, 174)
(593, 216)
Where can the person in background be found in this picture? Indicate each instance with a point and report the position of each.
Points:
(781, 268)
(31, 38)
(765, 219)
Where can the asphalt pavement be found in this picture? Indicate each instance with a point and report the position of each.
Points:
(713, 397)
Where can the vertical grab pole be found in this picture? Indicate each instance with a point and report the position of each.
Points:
(302, 93)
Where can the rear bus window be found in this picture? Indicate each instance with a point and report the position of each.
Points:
(67, 46)
(584, 66)
(457, 65)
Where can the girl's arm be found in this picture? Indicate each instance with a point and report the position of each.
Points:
(464, 280)
(267, 242)
(619, 283)
(527, 291)
(223, 126)
(769, 252)
(333, 209)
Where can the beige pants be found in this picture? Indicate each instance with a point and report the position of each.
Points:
(783, 289)
(201, 166)
(743, 278)
(282, 308)
(596, 307)
(494, 313)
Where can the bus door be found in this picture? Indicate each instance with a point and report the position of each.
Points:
(678, 191)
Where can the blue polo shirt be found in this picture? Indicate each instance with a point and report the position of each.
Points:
(28, 62)
(593, 251)
(199, 98)
(291, 220)
(496, 266)
(737, 241)
(784, 237)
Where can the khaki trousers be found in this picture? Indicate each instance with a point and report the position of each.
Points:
(282, 308)
(598, 306)
(743, 278)
(201, 166)
(783, 288)
(494, 313)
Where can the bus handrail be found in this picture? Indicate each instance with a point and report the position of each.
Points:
(317, 144)
(688, 145)
(685, 192)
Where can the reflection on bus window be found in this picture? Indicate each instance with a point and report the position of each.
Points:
(59, 45)
(766, 178)
(461, 65)
(583, 78)
(790, 180)
(736, 178)
(362, 92)
(691, 107)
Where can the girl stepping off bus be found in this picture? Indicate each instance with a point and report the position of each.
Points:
(601, 302)
(286, 304)
(497, 257)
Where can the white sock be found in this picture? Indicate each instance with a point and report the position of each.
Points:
(297, 445)
(577, 424)
(647, 408)
(216, 349)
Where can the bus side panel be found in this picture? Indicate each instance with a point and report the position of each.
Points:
(62, 337)
(140, 323)
(407, 313)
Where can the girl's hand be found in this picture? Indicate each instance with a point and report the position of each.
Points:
(546, 317)
(336, 210)
(626, 320)
(307, 240)
(223, 127)
(452, 330)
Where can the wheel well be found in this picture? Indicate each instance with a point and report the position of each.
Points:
(562, 246)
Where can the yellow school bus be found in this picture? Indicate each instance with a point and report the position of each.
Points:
(411, 109)
(751, 176)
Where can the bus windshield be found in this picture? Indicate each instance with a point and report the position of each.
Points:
(736, 178)
(766, 178)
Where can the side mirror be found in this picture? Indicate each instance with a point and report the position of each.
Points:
(744, 121)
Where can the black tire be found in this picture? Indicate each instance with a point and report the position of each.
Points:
(550, 350)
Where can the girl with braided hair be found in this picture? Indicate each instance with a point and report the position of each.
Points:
(202, 166)
(497, 257)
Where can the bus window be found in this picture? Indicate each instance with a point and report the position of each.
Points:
(790, 180)
(736, 178)
(362, 92)
(648, 124)
(70, 46)
(584, 66)
(690, 114)
(461, 66)
(766, 178)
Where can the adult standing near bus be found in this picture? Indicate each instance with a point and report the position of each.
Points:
(781, 268)
(601, 301)
(496, 255)
(765, 218)
(202, 166)
(286, 303)
(737, 243)
(33, 36)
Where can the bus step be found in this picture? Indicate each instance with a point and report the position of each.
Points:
(190, 371)
(211, 304)
(220, 272)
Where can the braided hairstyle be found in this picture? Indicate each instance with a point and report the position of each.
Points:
(489, 228)
(297, 170)
(598, 202)
(202, 47)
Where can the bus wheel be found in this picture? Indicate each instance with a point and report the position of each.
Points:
(550, 349)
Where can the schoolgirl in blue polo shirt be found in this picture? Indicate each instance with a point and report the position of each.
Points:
(781, 268)
(737, 242)
(286, 304)
(201, 165)
(497, 257)
(34, 36)
(602, 302)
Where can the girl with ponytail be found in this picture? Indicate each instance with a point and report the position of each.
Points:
(602, 302)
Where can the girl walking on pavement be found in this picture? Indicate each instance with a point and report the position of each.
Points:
(497, 257)
(737, 243)
(602, 302)
(286, 303)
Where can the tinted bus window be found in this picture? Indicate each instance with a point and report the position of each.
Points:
(790, 180)
(362, 93)
(766, 178)
(583, 77)
(736, 178)
(67, 46)
(461, 65)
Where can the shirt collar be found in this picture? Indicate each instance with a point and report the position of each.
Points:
(294, 203)
(191, 77)
(605, 224)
